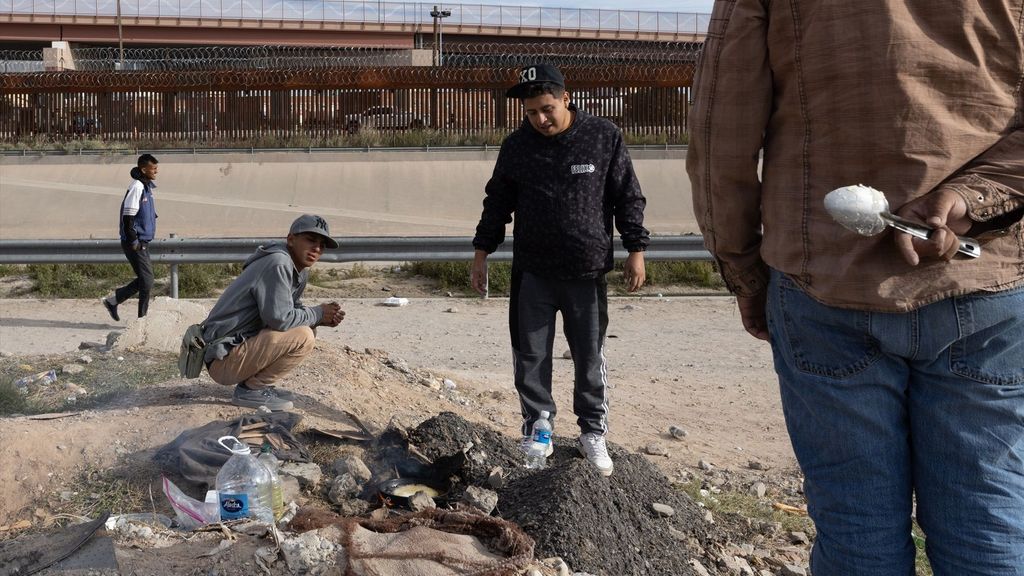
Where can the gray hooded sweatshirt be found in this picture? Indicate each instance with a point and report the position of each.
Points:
(265, 295)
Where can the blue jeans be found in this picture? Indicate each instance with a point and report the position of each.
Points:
(881, 407)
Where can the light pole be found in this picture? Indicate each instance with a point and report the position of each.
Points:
(120, 39)
(438, 15)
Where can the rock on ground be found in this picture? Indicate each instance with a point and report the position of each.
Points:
(162, 327)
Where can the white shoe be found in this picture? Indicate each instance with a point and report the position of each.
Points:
(593, 446)
(525, 446)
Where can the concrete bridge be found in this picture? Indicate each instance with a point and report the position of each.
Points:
(326, 22)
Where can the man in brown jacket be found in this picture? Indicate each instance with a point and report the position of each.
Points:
(901, 364)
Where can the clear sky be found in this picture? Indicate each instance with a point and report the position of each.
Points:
(702, 6)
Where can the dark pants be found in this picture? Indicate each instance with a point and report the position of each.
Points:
(533, 303)
(143, 283)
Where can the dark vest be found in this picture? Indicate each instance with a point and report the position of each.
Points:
(145, 219)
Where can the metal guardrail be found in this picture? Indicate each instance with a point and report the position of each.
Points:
(175, 251)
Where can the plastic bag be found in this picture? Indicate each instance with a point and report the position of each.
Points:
(192, 513)
(41, 379)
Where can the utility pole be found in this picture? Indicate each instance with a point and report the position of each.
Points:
(120, 38)
(438, 15)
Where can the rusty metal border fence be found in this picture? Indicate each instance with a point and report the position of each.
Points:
(219, 94)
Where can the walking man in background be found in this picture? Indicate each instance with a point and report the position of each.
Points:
(137, 219)
(259, 330)
(901, 365)
(566, 175)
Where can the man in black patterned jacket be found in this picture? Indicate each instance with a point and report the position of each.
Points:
(566, 175)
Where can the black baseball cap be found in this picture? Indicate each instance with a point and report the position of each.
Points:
(535, 74)
(315, 224)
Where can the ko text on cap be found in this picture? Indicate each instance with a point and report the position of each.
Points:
(535, 74)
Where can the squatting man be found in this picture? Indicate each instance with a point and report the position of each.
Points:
(259, 329)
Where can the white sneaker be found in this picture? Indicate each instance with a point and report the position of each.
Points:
(525, 446)
(593, 446)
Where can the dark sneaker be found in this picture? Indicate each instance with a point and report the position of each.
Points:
(256, 397)
(282, 393)
(111, 309)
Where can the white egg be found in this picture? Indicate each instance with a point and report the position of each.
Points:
(857, 208)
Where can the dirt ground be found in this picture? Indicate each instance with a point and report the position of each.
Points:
(679, 361)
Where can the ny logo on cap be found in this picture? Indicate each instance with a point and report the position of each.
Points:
(321, 223)
(528, 74)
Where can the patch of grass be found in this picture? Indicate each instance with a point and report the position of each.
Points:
(923, 567)
(94, 491)
(665, 273)
(96, 280)
(320, 277)
(499, 278)
(366, 138)
(751, 507)
(10, 270)
(204, 280)
(454, 276)
(105, 379)
(108, 378)
(359, 270)
(747, 506)
(77, 280)
(12, 401)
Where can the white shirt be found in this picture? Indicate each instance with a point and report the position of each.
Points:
(132, 199)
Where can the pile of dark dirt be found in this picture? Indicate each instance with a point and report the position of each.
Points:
(601, 525)
(448, 434)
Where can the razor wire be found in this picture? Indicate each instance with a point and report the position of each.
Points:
(479, 65)
(364, 78)
(456, 54)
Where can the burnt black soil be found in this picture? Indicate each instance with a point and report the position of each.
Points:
(601, 525)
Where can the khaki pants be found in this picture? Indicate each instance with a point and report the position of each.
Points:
(263, 359)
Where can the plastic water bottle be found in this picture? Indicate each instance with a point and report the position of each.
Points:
(243, 485)
(537, 453)
(272, 464)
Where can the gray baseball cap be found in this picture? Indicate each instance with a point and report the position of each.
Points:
(315, 224)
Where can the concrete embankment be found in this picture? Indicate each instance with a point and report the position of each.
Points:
(361, 193)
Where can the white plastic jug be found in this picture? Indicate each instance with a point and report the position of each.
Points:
(243, 484)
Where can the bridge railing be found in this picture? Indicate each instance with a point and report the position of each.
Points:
(175, 251)
(478, 15)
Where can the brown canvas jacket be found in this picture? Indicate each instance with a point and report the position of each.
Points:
(905, 96)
